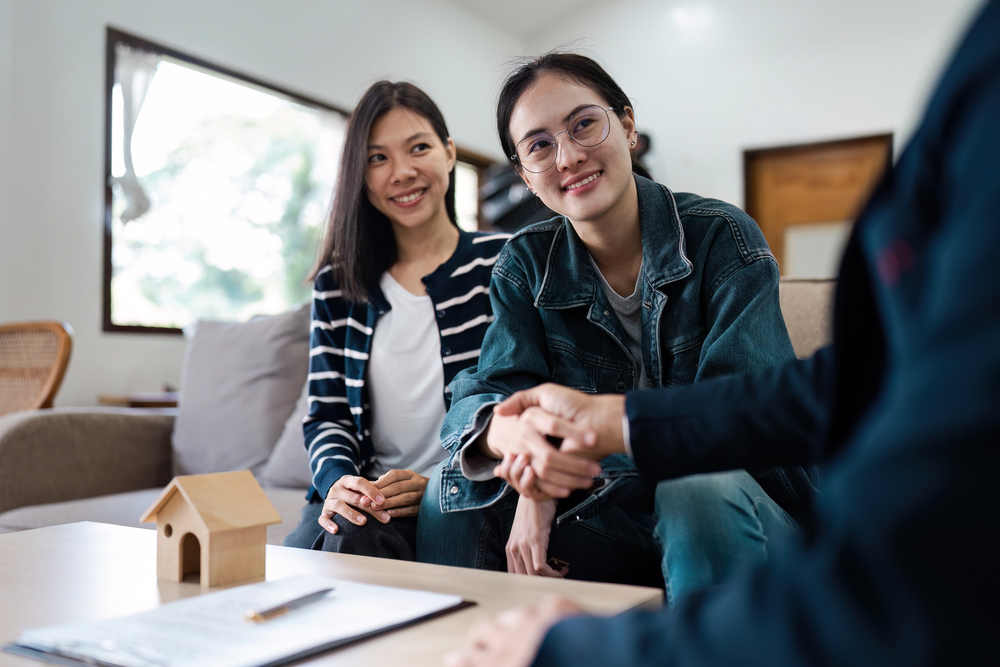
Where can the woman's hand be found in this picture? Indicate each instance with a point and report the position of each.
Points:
(517, 471)
(396, 493)
(599, 417)
(595, 418)
(528, 433)
(528, 544)
(403, 490)
(346, 496)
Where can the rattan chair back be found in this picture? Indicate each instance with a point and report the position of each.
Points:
(33, 359)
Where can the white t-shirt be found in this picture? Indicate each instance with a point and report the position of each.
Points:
(406, 383)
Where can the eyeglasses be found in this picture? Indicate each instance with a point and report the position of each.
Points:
(587, 127)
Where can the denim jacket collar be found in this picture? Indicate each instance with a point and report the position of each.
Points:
(569, 279)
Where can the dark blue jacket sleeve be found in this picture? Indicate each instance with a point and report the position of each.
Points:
(773, 417)
(900, 568)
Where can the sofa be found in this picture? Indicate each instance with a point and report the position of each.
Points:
(243, 400)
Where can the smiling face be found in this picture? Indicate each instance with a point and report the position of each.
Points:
(584, 184)
(408, 168)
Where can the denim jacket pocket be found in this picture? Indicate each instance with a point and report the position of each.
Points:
(458, 493)
(681, 363)
(568, 369)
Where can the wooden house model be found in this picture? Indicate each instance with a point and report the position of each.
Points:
(214, 525)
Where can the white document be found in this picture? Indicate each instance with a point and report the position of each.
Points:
(213, 629)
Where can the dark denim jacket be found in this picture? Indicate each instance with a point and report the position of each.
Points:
(709, 308)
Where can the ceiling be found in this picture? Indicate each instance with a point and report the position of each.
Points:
(525, 19)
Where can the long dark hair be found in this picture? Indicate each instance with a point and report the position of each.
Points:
(358, 242)
(572, 66)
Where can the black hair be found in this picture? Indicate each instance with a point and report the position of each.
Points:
(358, 242)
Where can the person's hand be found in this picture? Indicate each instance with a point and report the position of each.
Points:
(402, 489)
(528, 543)
(596, 418)
(512, 638)
(599, 416)
(345, 498)
(527, 433)
(517, 472)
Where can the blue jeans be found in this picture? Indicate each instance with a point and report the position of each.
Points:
(703, 528)
(709, 526)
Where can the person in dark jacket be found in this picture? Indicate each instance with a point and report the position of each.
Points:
(895, 564)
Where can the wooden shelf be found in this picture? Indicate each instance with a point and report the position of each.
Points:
(142, 399)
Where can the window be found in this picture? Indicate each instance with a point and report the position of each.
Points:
(217, 190)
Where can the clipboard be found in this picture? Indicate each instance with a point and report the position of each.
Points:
(212, 629)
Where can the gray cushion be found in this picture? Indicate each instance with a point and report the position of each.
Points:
(289, 462)
(239, 384)
(124, 509)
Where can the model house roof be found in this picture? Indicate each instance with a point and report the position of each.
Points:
(223, 501)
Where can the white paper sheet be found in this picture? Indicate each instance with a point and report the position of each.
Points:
(212, 629)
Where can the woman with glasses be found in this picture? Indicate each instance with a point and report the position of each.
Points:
(632, 286)
(400, 305)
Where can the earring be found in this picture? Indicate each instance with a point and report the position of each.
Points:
(632, 144)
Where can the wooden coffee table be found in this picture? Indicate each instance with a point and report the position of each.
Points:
(91, 571)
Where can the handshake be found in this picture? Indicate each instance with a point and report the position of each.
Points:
(524, 426)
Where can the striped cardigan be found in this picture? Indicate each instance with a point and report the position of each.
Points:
(336, 428)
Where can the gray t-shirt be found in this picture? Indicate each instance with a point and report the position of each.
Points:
(629, 312)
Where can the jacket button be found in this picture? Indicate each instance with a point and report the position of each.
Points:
(453, 490)
(440, 314)
(621, 387)
(607, 314)
(446, 351)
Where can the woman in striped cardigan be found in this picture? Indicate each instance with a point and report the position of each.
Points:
(400, 306)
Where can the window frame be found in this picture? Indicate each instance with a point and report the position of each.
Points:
(481, 163)
(113, 38)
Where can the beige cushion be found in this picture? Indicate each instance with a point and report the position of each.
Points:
(124, 509)
(807, 306)
(239, 385)
(61, 454)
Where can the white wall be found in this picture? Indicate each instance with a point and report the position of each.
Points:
(710, 78)
(52, 137)
(740, 75)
